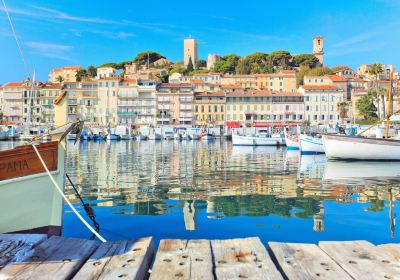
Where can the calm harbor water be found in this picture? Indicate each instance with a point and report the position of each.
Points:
(173, 189)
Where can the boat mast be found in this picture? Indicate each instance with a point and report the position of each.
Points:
(389, 98)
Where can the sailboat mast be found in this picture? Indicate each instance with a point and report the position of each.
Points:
(389, 99)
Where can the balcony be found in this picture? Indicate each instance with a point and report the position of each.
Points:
(122, 113)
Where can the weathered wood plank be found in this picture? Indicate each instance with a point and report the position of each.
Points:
(306, 261)
(390, 249)
(55, 258)
(181, 259)
(14, 247)
(361, 259)
(120, 259)
(243, 258)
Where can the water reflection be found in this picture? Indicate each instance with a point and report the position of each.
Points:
(195, 189)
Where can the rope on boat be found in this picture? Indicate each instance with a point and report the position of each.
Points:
(88, 209)
(66, 199)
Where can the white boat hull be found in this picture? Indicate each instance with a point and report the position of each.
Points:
(113, 137)
(357, 148)
(155, 136)
(125, 137)
(292, 143)
(240, 140)
(311, 145)
(207, 138)
(32, 203)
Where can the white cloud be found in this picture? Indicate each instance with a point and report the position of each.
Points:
(50, 50)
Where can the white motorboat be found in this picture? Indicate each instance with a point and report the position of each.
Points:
(361, 148)
(177, 136)
(168, 135)
(208, 137)
(13, 133)
(256, 140)
(311, 144)
(113, 137)
(155, 136)
(123, 131)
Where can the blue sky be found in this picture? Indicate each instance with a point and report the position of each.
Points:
(57, 33)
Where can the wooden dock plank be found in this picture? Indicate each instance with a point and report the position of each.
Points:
(181, 259)
(119, 260)
(306, 261)
(14, 247)
(243, 258)
(390, 249)
(362, 260)
(54, 258)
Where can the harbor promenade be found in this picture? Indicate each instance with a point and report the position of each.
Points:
(39, 257)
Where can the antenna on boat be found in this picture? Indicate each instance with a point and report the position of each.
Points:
(21, 53)
(389, 99)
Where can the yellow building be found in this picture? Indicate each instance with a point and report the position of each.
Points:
(48, 92)
(67, 74)
(261, 107)
(209, 108)
(283, 81)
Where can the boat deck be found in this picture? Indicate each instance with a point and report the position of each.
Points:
(38, 257)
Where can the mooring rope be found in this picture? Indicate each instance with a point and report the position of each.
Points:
(66, 199)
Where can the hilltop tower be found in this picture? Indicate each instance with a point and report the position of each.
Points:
(318, 48)
(190, 51)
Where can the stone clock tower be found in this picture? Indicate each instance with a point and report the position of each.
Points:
(318, 48)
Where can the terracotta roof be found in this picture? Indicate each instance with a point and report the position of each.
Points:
(358, 79)
(72, 67)
(182, 85)
(320, 87)
(14, 84)
(206, 74)
(109, 79)
(211, 93)
(231, 86)
(336, 78)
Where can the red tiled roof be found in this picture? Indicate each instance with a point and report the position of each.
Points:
(211, 93)
(182, 85)
(336, 78)
(14, 84)
(320, 87)
(231, 86)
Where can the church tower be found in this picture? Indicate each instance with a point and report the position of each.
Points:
(318, 48)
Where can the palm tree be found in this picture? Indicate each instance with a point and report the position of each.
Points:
(342, 108)
(376, 69)
(60, 79)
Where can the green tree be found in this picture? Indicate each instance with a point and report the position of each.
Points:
(308, 60)
(189, 67)
(227, 64)
(201, 63)
(199, 71)
(177, 67)
(304, 70)
(243, 67)
(60, 79)
(80, 75)
(151, 56)
(338, 68)
(320, 71)
(375, 69)
(92, 71)
(280, 59)
(343, 109)
(366, 107)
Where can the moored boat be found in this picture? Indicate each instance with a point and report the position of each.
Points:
(311, 144)
(292, 142)
(256, 140)
(361, 148)
(207, 137)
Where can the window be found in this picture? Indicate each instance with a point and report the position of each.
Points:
(240, 107)
(234, 107)
(202, 108)
(215, 108)
(209, 108)
(255, 107)
(248, 108)
(222, 108)
(196, 109)
(316, 107)
(241, 117)
(228, 116)
(262, 107)
(234, 117)
(315, 117)
(227, 107)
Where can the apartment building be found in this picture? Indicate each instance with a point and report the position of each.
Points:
(261, 107)
(146, 103)
(65, 74)
(127, 101)
(12, 102)
(209, 108)
(321, 103)
(48, 92)
(174, 104)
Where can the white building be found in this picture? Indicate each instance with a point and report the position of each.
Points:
(106, 72)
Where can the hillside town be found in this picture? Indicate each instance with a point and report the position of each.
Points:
(151, 90)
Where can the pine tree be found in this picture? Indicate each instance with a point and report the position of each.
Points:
(189, 67)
